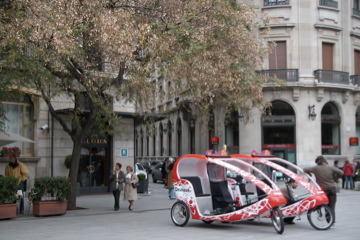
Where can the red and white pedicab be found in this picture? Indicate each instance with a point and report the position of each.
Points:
(311, 198)
(205, 191)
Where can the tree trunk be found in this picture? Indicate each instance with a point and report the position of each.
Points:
(73, 174)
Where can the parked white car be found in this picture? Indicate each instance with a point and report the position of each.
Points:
(139, 168)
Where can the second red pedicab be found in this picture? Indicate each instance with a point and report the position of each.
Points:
(204, 191)
(311, 198)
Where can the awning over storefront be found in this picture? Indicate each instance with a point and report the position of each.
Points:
(7, 138)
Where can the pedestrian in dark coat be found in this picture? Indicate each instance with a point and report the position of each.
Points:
(116, 184)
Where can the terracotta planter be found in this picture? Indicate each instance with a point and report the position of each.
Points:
(8, 211)
(17, 154)
(49, 208)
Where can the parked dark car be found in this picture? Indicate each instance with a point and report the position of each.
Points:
(156, 173)
(149, 165)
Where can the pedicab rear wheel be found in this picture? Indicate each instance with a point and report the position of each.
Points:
(180, 214)
(321, 217)
(277, 220)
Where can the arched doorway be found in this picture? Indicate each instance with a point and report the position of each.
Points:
(330, 130)
(357, 116)
(278, 130)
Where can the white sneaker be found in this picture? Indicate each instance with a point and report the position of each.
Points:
(333, 226)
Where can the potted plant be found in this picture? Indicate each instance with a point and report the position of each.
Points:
(143, 183)
(8, 190)
(6, 151)
(49, 196)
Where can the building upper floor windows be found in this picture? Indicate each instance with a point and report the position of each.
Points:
(328, 3)
(275, 2)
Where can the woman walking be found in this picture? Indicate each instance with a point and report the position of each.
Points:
(116, 184)
(130, 193)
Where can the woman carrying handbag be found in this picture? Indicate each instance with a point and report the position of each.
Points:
(130, 193)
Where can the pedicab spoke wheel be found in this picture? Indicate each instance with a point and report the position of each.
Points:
(277, 220)
(321, 217)
(180, 214)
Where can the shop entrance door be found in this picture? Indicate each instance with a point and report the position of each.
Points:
(93, 170)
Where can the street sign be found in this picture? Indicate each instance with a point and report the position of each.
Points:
(123, 152)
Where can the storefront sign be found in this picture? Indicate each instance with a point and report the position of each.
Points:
(354, 141)
(123, 152)
(214, 140)
(329, 146)
(278, 146)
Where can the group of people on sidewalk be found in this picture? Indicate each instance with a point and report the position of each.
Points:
(117, 179)
(351, 173)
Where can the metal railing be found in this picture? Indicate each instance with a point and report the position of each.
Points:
(329, 76)
(329, 3)
(288, 75)
(355, 79)
(268, 3)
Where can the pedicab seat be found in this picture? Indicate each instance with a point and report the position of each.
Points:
(221, 195)
(196, 183)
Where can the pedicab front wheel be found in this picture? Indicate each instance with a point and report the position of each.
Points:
(277, 220)
(180, 214)
(321, 217)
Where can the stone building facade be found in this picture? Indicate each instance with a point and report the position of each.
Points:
(315, 111)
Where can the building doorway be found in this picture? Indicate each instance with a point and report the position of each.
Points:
(94, 166)
(278, 131)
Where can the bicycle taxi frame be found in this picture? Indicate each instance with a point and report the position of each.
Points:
(205, 191)
(312, 199)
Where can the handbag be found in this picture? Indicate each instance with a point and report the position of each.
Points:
(135, 185)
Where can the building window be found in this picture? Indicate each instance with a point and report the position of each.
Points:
(329, 3)
(328, 56)
(330, 130)
(179, 137)
(275, 2)
(169, 139)
(19, 115)
(154, 144)
(277, 58)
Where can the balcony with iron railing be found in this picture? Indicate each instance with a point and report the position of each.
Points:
(288, 75)
(328, 3)
(329, 76)
(355, 79)
(268, 3)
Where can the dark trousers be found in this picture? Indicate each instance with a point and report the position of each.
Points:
(22, 188)
(331, 194)
(116, 194)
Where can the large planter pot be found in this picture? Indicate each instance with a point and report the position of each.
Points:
(8, 211)
(17, 154)
(49, 208)
(143, 187)
(357, 186)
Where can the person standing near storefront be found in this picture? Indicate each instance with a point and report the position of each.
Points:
(17, 169)
(116, 184)
(348, 174)
(326, 176)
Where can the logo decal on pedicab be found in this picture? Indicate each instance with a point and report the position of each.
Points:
(178, 189)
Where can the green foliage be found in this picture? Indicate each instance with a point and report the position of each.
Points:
(357, 175)
(8, 189)
(67, 161)
(51, 188)
(141, 176)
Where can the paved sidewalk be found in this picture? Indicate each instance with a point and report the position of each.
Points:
(150, 219)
